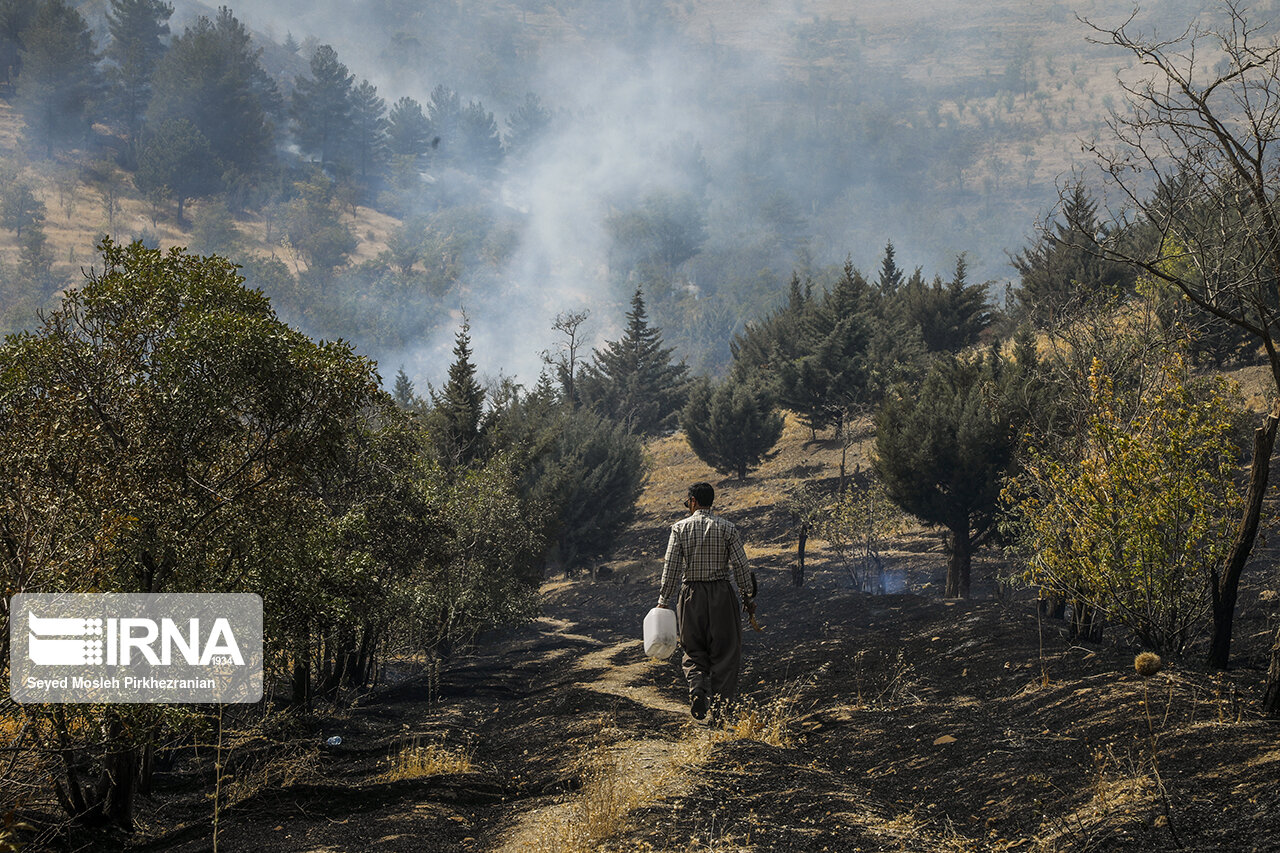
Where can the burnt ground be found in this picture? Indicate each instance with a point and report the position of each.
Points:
(915, 724)
(909, 723)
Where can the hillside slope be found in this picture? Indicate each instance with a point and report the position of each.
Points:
(897, 722)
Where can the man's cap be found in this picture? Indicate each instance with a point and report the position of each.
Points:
(703, 493)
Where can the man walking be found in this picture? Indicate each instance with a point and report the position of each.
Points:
(700, 553)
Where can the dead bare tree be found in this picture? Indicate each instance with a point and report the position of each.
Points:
(1195, 164)
(566, 361)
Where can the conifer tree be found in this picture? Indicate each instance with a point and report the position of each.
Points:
(1062, 271)
(177, 159)
(59, 79)
(526, 125)
(322, 105)
(763, 345)
(444, 113)
(212, 76)
(35, 263)
(942, 450)
(19, 207)
(731, 427)
(402, 391)
(591, 472)
(408, 131)
(136, 27)
(829, 379)
(890, 273)
(15, 17)
(458, 408)
(481, 140)
(949, 316)
(368, 132)
(633, 380)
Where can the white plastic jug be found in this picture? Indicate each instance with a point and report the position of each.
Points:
(660, 633)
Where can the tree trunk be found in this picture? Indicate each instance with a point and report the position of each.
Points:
(301, 670)
(1271, 698)
(961, 560)
(119, 782)
(844, 453)
(1225, 589)
(797, 575)
(147, 769)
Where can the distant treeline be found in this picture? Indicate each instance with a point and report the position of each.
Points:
(289, 140)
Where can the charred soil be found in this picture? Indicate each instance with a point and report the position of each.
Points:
(896, 722)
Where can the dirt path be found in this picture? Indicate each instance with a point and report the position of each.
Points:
(621, 773)
(623, 679)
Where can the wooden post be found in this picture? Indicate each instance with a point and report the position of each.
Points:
(797, 574)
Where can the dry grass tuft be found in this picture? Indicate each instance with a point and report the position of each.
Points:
(419, 759)
(772, 722)
(913, 831)
(296, 765)
(1148, 664)
(614, 786)
(1121, 794)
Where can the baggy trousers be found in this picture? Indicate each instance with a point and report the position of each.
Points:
(711, 633)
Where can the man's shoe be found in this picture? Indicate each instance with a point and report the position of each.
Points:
(698, 707)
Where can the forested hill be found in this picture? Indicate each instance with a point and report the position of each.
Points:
(380, 167)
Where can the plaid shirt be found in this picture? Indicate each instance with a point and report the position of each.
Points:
(702, 548)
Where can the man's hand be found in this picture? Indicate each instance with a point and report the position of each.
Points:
(749, 605)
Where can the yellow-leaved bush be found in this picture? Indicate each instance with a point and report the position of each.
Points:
(1127, 527)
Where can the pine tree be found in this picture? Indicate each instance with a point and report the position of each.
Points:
(136, 27)
(408, 131)
(943, 450)
(526, 125)
(212, 76)
(593, 474)
(59, 79)
(1061, 272)
(481, 140)
(322, 106)
(444, 112)
(731, 427)
(19, 207)
(458, 409)
(890, 274)
(763, 345)
(633, 380)
(402, 391)
(950, 316)
(368, 132)
(830, 379)
(177, 158)
(15, 17)
(35, 263)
